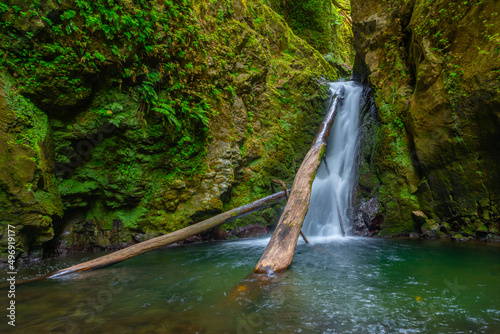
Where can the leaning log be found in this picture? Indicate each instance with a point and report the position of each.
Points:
(279, 251)
(165, 240)
(286, 193)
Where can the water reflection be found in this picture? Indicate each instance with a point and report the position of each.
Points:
(352, 285)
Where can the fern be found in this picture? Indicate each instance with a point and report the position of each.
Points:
(169, 112)
(118, 120)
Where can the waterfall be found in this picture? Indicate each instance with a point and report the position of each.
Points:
(335, 182)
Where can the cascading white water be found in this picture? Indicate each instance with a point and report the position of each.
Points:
(333, 187)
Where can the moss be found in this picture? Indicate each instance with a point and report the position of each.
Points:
(29, 195)
(49, 202)
(131, 218)
(238, 61)
(395, 169)
(321, 24)
(290, 82)
(34, 121)
(433, 92)
(72, 187)
(322, 153)
(165, 222)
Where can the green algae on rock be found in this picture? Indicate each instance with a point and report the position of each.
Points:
(28, 191)
(326, 25)
(434, 67)
(190, 115)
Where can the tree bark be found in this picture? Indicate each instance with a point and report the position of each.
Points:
(279, 251)
(286, 193)
(165, 240)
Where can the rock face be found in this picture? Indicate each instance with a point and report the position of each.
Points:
(326, 25)
(431, 151)
(144, 120)
(29, 198)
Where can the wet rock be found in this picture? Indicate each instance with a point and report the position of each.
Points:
(430, 228)
(434, 145)
(250, 231)
(367, 219)
(492, 238)
(220, 234)
(419, 217)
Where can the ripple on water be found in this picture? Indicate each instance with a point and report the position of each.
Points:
(352, 285)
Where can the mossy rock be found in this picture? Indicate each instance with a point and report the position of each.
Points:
(436, 87)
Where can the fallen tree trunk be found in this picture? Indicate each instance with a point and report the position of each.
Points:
(165, 240)
(286, 193)
(279, 251)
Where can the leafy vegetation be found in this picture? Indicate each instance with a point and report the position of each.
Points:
(324, 24)
(204, 98)
(64, 50)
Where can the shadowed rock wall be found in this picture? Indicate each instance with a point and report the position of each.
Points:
(431, 153)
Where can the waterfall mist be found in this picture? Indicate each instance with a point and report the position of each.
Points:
(335, 182)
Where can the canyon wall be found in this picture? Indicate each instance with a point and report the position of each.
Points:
(430, 155)
(122, 122)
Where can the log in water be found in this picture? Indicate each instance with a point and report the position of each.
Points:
(165, 240)
(343, 285)
(336, 179)
(279, 252)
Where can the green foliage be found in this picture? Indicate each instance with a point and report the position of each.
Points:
(168, 111)
(186, 117)
(26, 113)
(60, 63)
(453, 75)
(123, 54)
(322, 24)
(307, 18)
(154, 49)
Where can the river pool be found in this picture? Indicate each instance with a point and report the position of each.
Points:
(335, 285)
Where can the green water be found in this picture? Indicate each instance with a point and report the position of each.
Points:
(354, 285)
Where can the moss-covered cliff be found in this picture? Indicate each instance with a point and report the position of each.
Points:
(430, 154)
(326, 25)
(121, 120)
